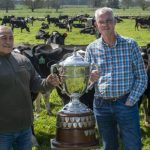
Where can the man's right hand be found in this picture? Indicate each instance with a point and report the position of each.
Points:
(94, 76)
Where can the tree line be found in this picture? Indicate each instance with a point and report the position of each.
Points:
(57, 4)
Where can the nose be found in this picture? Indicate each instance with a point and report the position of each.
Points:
(8, 39)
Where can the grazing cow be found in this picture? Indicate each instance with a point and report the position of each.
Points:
(78, 25)
(63, 17)
(41, 34)
(52, 20)
(56, 37)
(44, 26)
(30, 20)
(118, 19)
(142, 22)
(7, 19)
(68, 23)
(88, 30)
(61, 25)
(145, 98)
(19, 24)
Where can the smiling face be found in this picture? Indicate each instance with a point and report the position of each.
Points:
(6, 40)
(105, 23)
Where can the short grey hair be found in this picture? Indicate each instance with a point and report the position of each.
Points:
(103, 10)
(2, 27)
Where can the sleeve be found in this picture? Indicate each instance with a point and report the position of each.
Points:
(37, 84)
(88, 54)
(140, 75)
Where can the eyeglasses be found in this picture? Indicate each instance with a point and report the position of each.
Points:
(109, 21)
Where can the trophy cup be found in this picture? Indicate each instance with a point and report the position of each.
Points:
(75, 125)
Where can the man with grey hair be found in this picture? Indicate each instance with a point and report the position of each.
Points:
(119, 82)
(17, 78)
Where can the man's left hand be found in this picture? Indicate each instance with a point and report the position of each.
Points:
(53, 79)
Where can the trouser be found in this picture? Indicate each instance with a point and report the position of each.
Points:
(113, 114)
(20, 140)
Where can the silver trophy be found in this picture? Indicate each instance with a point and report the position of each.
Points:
(75, 118)
(75, 73)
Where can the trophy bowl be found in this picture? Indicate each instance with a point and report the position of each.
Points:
(75, 118)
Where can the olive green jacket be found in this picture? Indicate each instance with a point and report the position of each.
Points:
(17, 79)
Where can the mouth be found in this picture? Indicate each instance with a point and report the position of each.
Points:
(7, 46)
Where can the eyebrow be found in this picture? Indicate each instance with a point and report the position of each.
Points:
(5, 33)
(2, 33)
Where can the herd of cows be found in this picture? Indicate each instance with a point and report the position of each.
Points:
(43, 56)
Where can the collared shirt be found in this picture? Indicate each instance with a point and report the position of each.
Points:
(121, 68)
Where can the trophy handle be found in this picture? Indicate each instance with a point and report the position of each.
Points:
(90, 86)
(54, 66)
(57, 66)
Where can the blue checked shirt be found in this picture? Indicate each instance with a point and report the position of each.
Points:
(121, 68)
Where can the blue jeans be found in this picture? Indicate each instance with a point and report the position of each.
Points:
(20, 140)
(111, 115)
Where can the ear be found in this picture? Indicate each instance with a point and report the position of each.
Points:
(115, 21)
(95, 24)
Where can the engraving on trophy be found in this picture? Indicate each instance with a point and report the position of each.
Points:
(69, 125)
(80, 124)
(72, 119)
(66, 119)
(77, 119)
(75, 125)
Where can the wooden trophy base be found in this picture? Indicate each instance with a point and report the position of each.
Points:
(53, 147)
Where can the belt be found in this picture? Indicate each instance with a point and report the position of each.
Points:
(113, 99)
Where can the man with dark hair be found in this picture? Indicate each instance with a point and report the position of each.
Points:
(17, 79)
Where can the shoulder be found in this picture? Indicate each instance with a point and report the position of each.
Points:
(20, 58)
(126, 40)
(94, 44)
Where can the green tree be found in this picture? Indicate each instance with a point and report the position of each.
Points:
(127, 3)
(113, 3)
(55, 4)
(142, 3)
(7, 4)
(97, 3)
(34, 4)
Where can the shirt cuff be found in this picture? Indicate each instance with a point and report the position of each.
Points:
(131, 102)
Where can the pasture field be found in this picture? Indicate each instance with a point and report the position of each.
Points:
(126, 28)
(45, 124)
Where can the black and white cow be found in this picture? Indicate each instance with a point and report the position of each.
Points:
(44, 26)
(7, 20)
(143, 22)
(56, 37)
(41, 34)
(19, 24)
(145, 98)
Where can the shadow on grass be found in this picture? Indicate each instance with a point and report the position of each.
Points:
(44, 141)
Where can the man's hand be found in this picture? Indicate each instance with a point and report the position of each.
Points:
(53, 80)
(94, 76)
(129, 103)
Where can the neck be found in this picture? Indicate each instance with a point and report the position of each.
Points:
(4, 54)
(109, 39)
